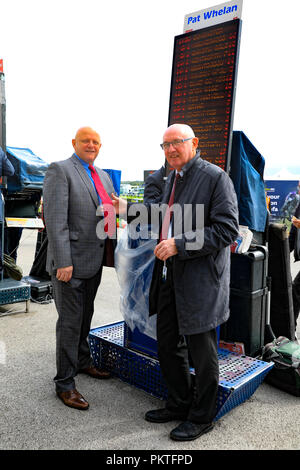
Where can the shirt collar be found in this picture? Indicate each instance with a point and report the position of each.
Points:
(188, 165)
(86, 165)
(191, 162)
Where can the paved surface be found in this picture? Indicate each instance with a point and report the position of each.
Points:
(32, 417)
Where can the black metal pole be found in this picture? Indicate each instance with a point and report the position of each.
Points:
(3, 146)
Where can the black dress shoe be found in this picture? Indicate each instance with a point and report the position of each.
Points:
(188, 431)
(163, 415)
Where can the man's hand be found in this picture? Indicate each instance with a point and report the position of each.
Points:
(64, 274)
(120, 205)
(166, 249)
(296, 222)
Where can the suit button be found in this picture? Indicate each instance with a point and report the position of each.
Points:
(101, 245)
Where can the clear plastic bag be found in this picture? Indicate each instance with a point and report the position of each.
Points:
(134, 262)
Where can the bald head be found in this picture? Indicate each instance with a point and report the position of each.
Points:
(84, 130)
(87, 144)
(182, 145)
(183, 129)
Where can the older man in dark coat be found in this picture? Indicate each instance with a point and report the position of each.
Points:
(190, 285)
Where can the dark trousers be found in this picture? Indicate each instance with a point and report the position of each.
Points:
(296, 297)
(12, 236)
(195, 399)
(74, 302)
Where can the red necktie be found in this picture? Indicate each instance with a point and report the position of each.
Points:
(169, 213)
(109, 211)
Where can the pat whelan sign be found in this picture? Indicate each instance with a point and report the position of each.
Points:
(214, 15)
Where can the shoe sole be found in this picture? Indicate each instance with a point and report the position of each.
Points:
(176, 418)
(94, 377)
(205, 431)
(98, 378)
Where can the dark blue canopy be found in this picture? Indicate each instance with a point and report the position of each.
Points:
(247, 172)
(30, 169)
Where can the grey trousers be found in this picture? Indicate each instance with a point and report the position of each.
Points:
(74, 302)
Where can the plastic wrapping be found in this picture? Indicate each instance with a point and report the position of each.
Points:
(243, 241)
(134, 262)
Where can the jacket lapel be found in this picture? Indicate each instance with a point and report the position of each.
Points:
(86, 180)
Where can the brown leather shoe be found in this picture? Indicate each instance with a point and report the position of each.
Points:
(96, 373)
(73, 399)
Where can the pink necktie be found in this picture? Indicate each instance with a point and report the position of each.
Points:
(169, 213)
(109, 214)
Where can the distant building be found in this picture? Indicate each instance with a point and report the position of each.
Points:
(132, 191)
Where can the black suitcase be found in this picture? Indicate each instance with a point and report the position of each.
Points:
(41, 289)
(248, 300)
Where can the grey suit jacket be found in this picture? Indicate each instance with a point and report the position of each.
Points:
(70, 204)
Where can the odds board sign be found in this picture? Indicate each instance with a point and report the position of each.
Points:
(214, 15)
(203, 87)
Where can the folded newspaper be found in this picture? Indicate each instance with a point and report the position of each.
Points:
(243, 241)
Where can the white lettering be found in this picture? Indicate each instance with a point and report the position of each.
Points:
(140, 212)
(171, 459)
(117, 460)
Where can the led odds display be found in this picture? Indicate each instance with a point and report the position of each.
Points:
(203, 87)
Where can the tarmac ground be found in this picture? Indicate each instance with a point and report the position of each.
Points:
(33, 418)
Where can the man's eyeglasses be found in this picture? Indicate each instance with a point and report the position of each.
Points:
(175, 143)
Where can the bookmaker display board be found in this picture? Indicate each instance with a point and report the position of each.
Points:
(203, 86)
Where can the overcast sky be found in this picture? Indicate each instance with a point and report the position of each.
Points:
(107, 64)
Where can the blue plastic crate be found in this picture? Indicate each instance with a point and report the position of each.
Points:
(240, 376)
(137, 341)
(12, 291)
(134, 339)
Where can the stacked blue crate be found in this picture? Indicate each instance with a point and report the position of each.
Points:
(240, 375)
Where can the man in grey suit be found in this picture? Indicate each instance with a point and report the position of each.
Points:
(75, 258)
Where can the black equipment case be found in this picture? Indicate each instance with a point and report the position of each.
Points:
(248, 300)
(41, 289)
(279, 270)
